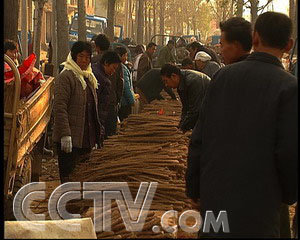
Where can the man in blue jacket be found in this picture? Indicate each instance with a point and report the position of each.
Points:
(243, 152)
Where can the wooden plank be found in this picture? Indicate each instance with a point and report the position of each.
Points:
(35, 134)
(30, 118)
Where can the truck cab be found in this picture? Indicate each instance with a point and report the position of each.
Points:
(94, 26)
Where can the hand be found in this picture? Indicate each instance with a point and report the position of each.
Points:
(66, 144)
(136, 96)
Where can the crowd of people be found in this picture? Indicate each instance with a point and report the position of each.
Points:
(241, 108)
(242, 112)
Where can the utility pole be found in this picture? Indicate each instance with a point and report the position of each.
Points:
(24, 29)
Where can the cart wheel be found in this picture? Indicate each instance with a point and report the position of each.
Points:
(20, 180)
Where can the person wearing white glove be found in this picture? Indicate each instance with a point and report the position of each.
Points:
(66, 144)
(77, 127)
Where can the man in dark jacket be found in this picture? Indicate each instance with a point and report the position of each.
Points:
(243, 152)
(145, 61)
(191, 87)
(166, 54)
(195, 47)
(236, 39)
(102, 44)
(150, 86)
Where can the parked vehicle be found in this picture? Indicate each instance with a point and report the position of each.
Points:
(94, 26)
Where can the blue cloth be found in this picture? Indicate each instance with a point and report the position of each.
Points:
(128, 97)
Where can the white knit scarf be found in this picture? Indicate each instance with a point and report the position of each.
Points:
(70, 64)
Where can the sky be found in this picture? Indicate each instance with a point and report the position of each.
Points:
(278, 6)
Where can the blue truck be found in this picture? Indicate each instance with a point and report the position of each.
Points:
(94, 26)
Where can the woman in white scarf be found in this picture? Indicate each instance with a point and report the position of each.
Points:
(77, 128)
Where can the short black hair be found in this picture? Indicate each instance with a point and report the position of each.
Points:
(139, 48)
(102, 42)
(238, 29)
(121, 50)
(9, 45)
(195, 45)
(150, 45)
(171, 42)
(79, 47)
(187, 61)
(274, 29)
(168, 69)
(110, 57)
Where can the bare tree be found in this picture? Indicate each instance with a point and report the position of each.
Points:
(11, 16)
(146, 21)
(162, 19)
(154, 17)
(140, 25)
(111, 19)
(293, 8)
(255, 9)
(62, 31)
(239, 8)
(81, 20)
(39, 4)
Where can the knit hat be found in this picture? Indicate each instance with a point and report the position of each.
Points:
(202, 56)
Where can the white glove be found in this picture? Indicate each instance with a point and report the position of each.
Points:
(66, 144)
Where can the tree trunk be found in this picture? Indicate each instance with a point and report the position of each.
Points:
(81, 20)
(11, 16)
(295, 21)
(149, 24)
(111, 18)
(154, 17)
(38, 28)
(140, 25)
(24, 29)
(146, 21)
(253, 10)
(130, 7)
(292, 14)
(62, 31)
(239, 8)
(162, 20)
(136, 19)
(54, 38)
(126, 19)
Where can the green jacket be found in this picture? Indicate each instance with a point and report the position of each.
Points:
(165, 56)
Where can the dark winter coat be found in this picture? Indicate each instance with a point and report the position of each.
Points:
(191, 90)
(103, 91)
(243, 151)
(151, 85)
(70, 108)
(145, 64)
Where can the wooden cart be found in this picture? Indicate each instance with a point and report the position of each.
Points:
(25, 122)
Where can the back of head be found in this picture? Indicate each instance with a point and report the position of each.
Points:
(274, 29)
(102, 42)
(139, 49)
(110, 57)
(121, 50)
(9, 45)
(238, 29)
(79, 47)
(168, 69)
(171, 42)
(186, 62)
(195, 45)
(150, 45)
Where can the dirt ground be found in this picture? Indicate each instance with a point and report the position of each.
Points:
(50, 175)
